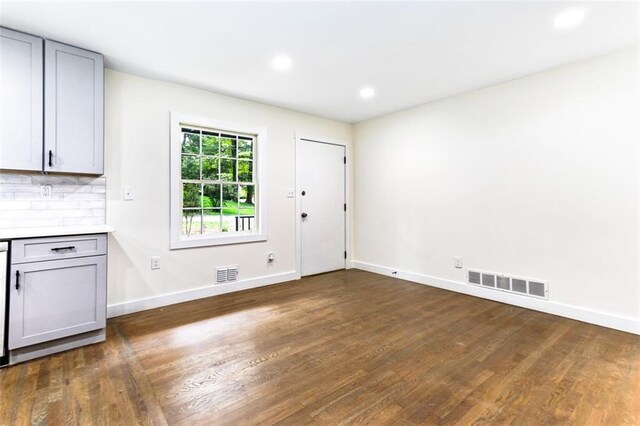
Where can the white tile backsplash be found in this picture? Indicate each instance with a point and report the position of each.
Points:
(74, 200)
(11, 178)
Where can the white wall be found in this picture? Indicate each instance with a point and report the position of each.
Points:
(535, 177)
(137, 155)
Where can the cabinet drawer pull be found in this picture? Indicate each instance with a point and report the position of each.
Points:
(50, 158)
(57, 249)
(17, 280)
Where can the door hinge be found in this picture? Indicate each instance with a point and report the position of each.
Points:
(345, 254)
(345, 160)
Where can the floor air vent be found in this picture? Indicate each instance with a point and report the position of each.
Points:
(488, 280)
(232, 273)
(537, 289)
(528, 287)
(503, 283)
(226, 274)
(221, 275)
(519, 286)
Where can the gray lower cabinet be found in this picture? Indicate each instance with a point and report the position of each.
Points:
(52, 299)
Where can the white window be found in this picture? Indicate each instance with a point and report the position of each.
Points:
(217, 184)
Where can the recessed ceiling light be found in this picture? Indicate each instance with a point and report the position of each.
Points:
(569, 18)
(281, 63)
(367, 92)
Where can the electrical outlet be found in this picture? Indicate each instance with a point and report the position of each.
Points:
(291, 193)
(155, 262)
(457, 262)
(127, 193)
(45, 191)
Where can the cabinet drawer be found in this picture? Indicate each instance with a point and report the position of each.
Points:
(51, 300)
(43, 249)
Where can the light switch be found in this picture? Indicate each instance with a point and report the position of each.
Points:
(457, 262)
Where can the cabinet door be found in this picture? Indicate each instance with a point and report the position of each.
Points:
(20, 101)
(73, 122)
(51, 300)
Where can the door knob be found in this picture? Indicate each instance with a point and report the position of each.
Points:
(304, 215)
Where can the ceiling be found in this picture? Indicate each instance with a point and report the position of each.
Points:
(410, 53)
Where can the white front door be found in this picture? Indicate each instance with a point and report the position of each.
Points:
(322, 202)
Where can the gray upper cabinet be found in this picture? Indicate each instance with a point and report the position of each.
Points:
(21, 74)
(73, 105)
(51, 106)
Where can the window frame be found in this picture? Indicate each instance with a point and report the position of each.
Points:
(179, 241)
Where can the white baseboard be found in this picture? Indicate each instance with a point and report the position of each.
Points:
(138, 305)
(629, 325)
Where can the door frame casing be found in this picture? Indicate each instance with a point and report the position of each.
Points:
(299, 137)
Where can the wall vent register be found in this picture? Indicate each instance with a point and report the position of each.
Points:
(502, 282)
(226, 274)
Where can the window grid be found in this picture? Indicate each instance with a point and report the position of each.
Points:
(229, 149)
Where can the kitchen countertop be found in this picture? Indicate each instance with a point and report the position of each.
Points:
(13, 233)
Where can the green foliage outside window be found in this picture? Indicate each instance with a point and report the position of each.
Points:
(218, 190)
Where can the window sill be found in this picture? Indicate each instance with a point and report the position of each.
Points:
(207, 241)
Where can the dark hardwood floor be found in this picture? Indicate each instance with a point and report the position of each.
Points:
(342, 348)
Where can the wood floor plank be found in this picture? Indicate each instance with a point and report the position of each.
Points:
(348, 347)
